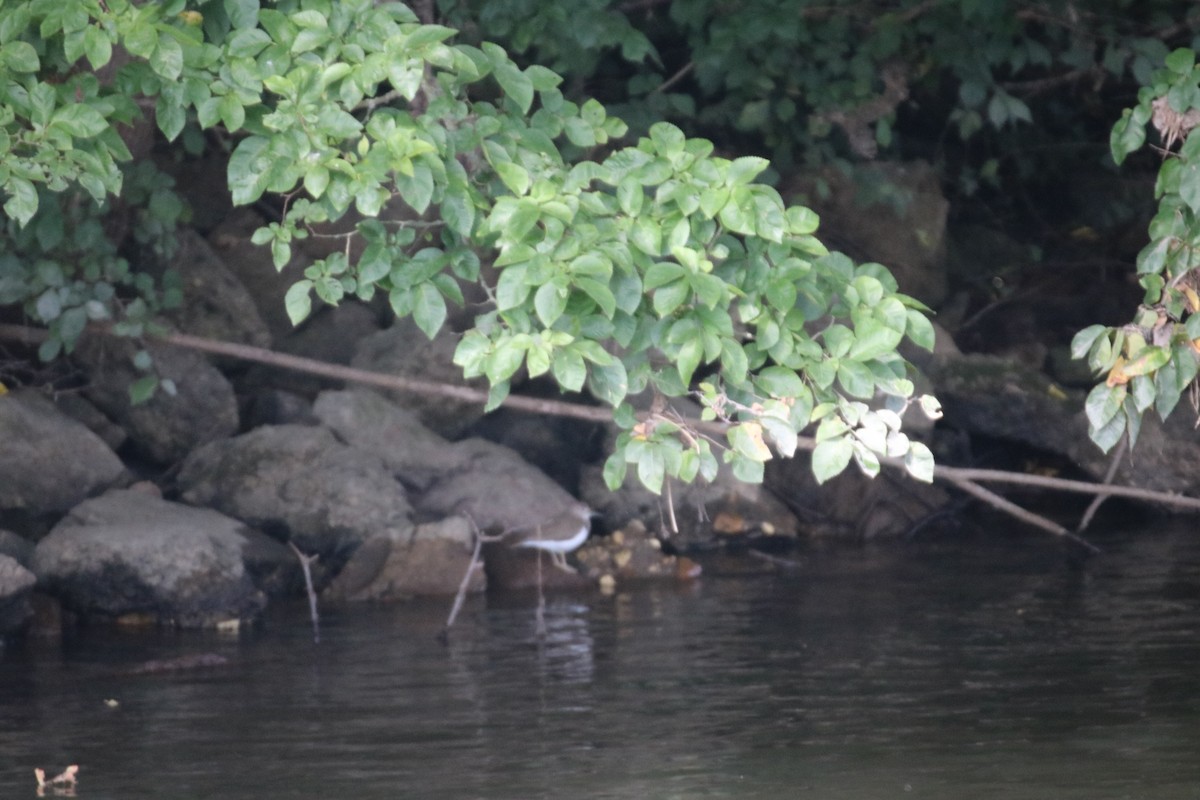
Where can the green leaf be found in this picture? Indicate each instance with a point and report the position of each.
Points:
(780, 382)
(600, 294)
(22, 202)
(856, 379)
(143, 389)
(97, 46)
(919, 462)
(167, 59)
(1083, 341)
(1103, 403)
(609, 382)
(569, 370)
(646, 236)
(505, 360)
(297, 301)
(497, 394)
(651, 469)
(873, 339)
(830, 458)
(429, 310)
(670, 297)
(549, 302)
(615, 467)
(514, 176)
(920, 330)
(691, 352)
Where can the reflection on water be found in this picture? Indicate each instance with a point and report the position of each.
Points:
(986, 669)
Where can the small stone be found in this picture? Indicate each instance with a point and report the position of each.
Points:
(607, 583)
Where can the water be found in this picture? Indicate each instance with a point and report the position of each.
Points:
(991, 668)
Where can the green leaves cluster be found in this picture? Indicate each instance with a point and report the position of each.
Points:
(657, 266)
(1151, 361)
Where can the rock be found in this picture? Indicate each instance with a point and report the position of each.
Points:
(129, 555)
(330, 336)
(891, 213)
(404, 350)
(78, 407)
(16, 548)
(495, 487)
(367, 420)
(632, 554)
(16, 584)
(48, 461)
(166, 427)
(852, 505)
(300, 483)
(1003, 400)
(216, 304)
(255, 269)
(432, 561)
(499, 491)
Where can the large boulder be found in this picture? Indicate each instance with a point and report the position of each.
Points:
(1007, 401)
(168, 426)
(48, 461)
(216, 304)
(255, 268)
(16, 583)
(889, 212)
(404, 350)
(128, 555)
(431, 562)
(369, 421)
(302, 484)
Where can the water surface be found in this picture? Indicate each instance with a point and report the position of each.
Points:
(987, 668)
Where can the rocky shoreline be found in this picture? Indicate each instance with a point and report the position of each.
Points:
(179, 511)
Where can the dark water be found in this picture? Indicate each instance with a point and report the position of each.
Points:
(976, 669)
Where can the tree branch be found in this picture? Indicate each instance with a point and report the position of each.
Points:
(963, 478)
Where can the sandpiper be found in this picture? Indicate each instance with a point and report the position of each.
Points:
(560, 534)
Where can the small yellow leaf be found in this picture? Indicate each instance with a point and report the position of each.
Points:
(1116, 375)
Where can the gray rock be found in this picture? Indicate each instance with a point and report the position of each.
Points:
(433, 561)
(48, 461)
(255, 269)
(404, 350)
(16, 548)
(367, 420)
(130, 554)
(331, 335)
(299, 482)
(78, 407)
(1002, 399)
(495, 487)
(166, 427)
(216, 304)
(904, 229)
(16, 584)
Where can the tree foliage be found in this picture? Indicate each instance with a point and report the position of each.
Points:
(616, 268)
(1150, 362)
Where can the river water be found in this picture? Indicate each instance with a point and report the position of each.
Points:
(996, 667)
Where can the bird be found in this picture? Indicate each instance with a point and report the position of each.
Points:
(559, 535)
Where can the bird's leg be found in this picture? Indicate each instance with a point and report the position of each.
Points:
(560, 561)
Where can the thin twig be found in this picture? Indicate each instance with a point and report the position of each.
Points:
(1117, 458)
(466, 580)
(305, 560)
(674, 79)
